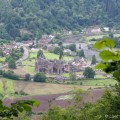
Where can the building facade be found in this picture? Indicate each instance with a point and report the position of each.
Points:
(49, 66)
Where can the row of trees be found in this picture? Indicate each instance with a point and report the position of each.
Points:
(38, 77)
(9, 74)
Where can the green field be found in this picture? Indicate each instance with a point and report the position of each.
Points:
(30, 69)
(2, 59)
(33, 88)
(52, 56)
(99, 76)
(29, 64)
(105, 82)
(87, 38)
(9, 86)
(48, 55)
(116, 35)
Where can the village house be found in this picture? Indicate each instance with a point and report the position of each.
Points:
(28, 43)
(51, 47)
(48, 37)
(67, 51)
(76, 65)
(92, 29)
(7, 49)
(106, 29)
(65, 32)
(44, 41)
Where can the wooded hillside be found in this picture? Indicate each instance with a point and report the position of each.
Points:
(46, 16)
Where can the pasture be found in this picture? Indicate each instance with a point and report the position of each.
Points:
(47, 88)
(104, 82)
(8, 87)
(33, 88)
(49, 55)
(88, 38)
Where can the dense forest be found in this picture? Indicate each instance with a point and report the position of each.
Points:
(24, 19)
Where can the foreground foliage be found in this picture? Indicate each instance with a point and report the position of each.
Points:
(16, 108)
(108, 107)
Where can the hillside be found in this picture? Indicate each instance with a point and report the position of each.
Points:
(30, 18)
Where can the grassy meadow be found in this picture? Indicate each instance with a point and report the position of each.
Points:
(9, 86)
(32, 88)
(88, 38)
(104, 82)
(29, 64)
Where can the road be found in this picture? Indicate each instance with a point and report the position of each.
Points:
(24, 57)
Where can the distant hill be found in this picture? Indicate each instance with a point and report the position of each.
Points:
(47, 16)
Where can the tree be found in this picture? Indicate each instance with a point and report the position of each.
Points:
(72, 76)
(27, 77)
(14, 32)
(11, 63)
(57, 50)
(40, 54)
(16, 108)
(81, 53)
(111, 35)
(25, 37)
(72, 47)
(21, 50)
(61, 54)
(40, 77)
(89, 72)
(94, 61)
(110, 59)
(58, 36)
(1, 53)
(60, 43)
(11, 75)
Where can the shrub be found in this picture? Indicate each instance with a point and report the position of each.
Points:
(89, 72)
(81, 83)
(27, 77)
(40, 77)
(11, 75)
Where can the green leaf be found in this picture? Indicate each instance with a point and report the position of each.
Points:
(116, 74)
(103, 43)
(99, 44)
(27, 108)
(100, 66)
(109, 42)
(19, 108)
(36, 103)
(108, 55)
